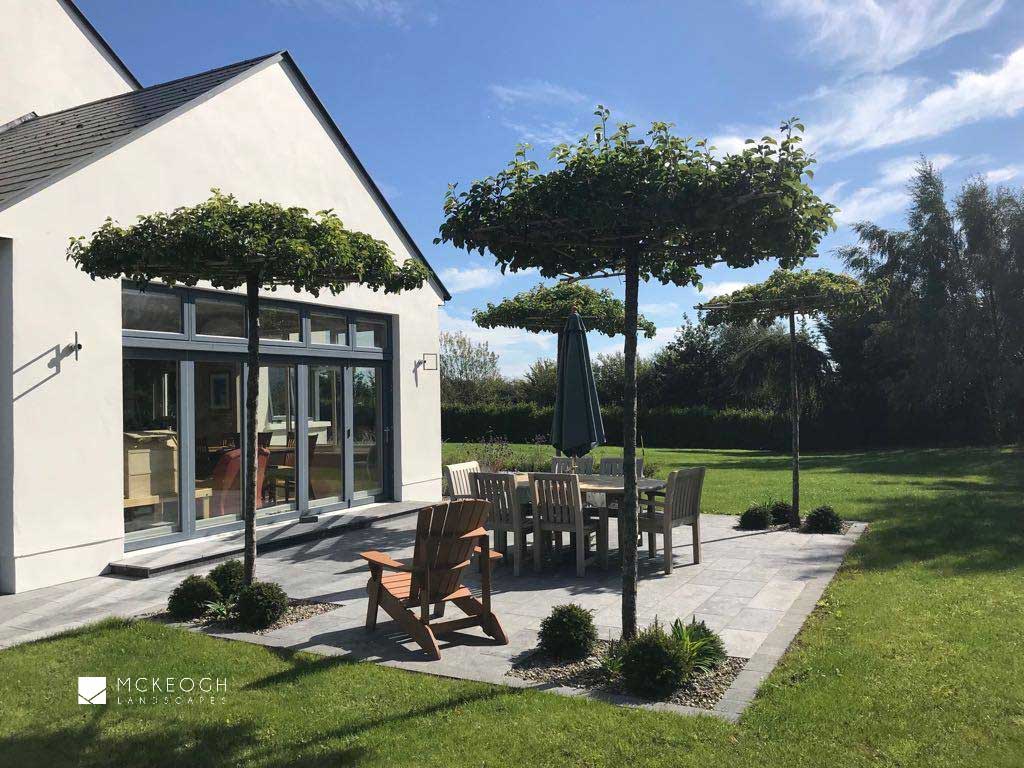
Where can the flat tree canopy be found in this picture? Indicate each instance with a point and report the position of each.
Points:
(227, 244)
(663, 207)
(546, 308)
(258, 245)
(786, 294)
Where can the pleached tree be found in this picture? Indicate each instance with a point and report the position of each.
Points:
(661, 207)
(786, 295)
(258, 245)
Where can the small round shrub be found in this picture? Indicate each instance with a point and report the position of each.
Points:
(781, 510)
(568, 632)
(653, 664)
(756, 518)
(229, 578)
(260, 604)
(189, 599)
(823, 520)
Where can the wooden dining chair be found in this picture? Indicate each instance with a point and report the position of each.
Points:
(447, 535)
(563, 464)
(557, 508)
(507, 515)
(678, 504)
(457, 479)
(612, 465)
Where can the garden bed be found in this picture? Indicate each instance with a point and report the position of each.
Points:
(298, 610)
(702, 690)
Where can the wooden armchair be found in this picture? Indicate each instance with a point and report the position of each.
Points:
(563, 464)
(612, 465)
(456, 477)
(447, 535)
(558, 507)
(507, 515)
(678, 504)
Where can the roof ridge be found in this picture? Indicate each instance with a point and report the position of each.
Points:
(126, 94)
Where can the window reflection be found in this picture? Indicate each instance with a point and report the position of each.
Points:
(220, 318)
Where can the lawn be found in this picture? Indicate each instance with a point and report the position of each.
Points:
(913, 659)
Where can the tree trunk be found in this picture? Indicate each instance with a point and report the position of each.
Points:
(628, 511)
(252, 293)
(794, 398)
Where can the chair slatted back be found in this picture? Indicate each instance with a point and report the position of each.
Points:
(439, 546)
(682, 493)
(499, 488)
(613, 466)
(556, 497)
(457, 478)
(563, 465)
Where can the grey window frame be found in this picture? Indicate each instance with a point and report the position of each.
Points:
(188, 347)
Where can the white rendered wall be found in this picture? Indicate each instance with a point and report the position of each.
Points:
(257, 139)
(48, 62)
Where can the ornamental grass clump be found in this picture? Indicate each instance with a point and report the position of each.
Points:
(568, 632)
(189, 599)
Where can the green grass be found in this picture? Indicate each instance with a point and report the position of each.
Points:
(913, 659)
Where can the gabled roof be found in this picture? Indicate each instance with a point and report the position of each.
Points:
(99, 41)
(39, 149)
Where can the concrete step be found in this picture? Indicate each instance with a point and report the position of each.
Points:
(145, 563)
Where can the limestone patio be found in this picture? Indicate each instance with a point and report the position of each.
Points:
(755, 588)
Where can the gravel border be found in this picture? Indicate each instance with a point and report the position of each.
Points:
(297, 610)
(703, 690)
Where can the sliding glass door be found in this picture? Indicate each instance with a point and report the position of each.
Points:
(218, 404)
(368, 431)
(325, 426)
(277, 435)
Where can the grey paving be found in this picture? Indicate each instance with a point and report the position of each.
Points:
(755, 589)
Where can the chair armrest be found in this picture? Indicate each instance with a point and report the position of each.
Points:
(474, 534)
(385, 561)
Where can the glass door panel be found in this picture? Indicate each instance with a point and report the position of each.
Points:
(367, 431)
(276, 432)
(152, 453)
(218, 429)
(326, 436)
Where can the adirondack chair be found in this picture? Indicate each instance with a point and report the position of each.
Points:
(678, 504)
(507, 516)
(562, 465)
(447, 535)
(457, 479)
(557, 508)
(612, 465)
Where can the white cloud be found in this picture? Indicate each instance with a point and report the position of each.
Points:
(536, 92)
(660, 308)
(1004, 174)
(870, 204)
(887, 110)
(459, 280)
(878, 111)
(400, 13)
(720, 288)
(545, 133)
(879, 35)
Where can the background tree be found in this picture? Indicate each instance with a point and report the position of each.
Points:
(691, 370)
(539, 383)
(469, 370)
(259, 245)
(662, 207)
(787, 294)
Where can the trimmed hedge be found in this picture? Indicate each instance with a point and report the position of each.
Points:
(659, 427)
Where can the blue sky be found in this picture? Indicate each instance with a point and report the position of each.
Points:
(434, 91)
